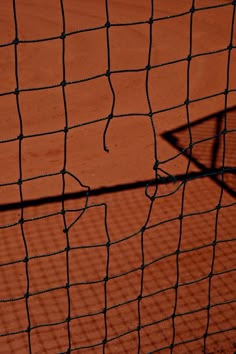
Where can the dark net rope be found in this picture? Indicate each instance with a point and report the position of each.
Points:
(218, 174)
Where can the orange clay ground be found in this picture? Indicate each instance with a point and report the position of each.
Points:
(34, 254)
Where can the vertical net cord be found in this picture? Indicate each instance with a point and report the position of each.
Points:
(66, 230)
(31, 324)
(155, 168)
(108, 74)
(106, 278)
(218, 207)
(185, 181)
(106, 281)
(20, 181)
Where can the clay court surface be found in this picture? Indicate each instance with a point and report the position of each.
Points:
(100, 252)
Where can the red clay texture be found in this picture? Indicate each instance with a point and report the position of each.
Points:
(129, 250)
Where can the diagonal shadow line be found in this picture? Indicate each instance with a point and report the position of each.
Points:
(174, 141)
(211, 172)
(201, 120)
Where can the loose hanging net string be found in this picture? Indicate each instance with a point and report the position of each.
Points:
(134, 266)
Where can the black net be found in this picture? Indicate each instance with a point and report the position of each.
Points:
(118, 177)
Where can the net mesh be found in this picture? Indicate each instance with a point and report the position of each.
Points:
(117, 228)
